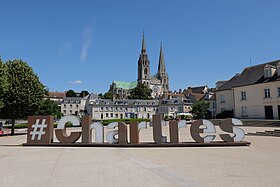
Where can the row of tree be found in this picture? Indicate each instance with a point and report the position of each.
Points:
(22, 93)
(72, 93)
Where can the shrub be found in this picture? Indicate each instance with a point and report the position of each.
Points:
(225, 114)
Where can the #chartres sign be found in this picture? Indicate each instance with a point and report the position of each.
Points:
(203, 132)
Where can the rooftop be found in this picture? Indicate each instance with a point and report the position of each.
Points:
(125, 85)
(250, 75)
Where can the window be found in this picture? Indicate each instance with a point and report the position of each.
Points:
(107, 115)
(244, 111)
(279, 93)
(77, 106)
(112, 115)
(214, 105)
(70, 106)
(243, 95)
(267, 93)
(101, 108)
(145, 71)
(267, 73)
(64, 111)
(222, 98)
(117, 115)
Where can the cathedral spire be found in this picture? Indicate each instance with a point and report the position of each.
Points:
(161, 63)
(143, 44)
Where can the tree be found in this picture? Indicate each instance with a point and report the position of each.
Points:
(24, 92)
(71, 93)
(3, 82)
(83, 93)
(48, 107)
(141, 91)
(200, 109)
(100, 95)
(108, 95)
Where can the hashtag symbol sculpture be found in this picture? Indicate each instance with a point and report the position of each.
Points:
(38, 129)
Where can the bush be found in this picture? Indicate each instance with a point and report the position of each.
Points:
(225, 114)
(128, 121)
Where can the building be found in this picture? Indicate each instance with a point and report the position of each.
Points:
(255, 93)
(159, 83)
(174, 107)
(202, 93)
(57, 97)
(102, 109)
(73, 106)
(121, 89)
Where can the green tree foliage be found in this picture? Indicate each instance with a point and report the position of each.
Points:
(108, 95)
(200, 109)
(83, 93)
(71, 93)
(141, 91)
(48, 107)
(3, 82)
(24, 92)
(100, 95)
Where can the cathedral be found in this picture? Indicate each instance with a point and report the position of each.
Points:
(159, 83)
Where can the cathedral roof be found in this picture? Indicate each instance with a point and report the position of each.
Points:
(125, 85)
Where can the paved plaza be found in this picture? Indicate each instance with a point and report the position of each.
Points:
(256, 165)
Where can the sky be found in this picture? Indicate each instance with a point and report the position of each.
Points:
(86, 44)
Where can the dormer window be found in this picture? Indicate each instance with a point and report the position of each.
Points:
(269, 71)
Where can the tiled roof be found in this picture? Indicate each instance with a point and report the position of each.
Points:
(250, 75)
(125, 85)
(198, 89)
(56, 94)
(196, 97)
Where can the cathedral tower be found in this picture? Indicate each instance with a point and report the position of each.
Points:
(144, 65)
(162, 74)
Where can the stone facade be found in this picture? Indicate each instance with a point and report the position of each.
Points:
(159, 83)
(73, 106)
(254, 94)
(101, 109)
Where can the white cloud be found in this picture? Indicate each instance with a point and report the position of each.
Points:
(75, 82)
(64, 48)
(87, 37)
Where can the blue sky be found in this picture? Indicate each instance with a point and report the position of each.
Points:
(88, 44)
